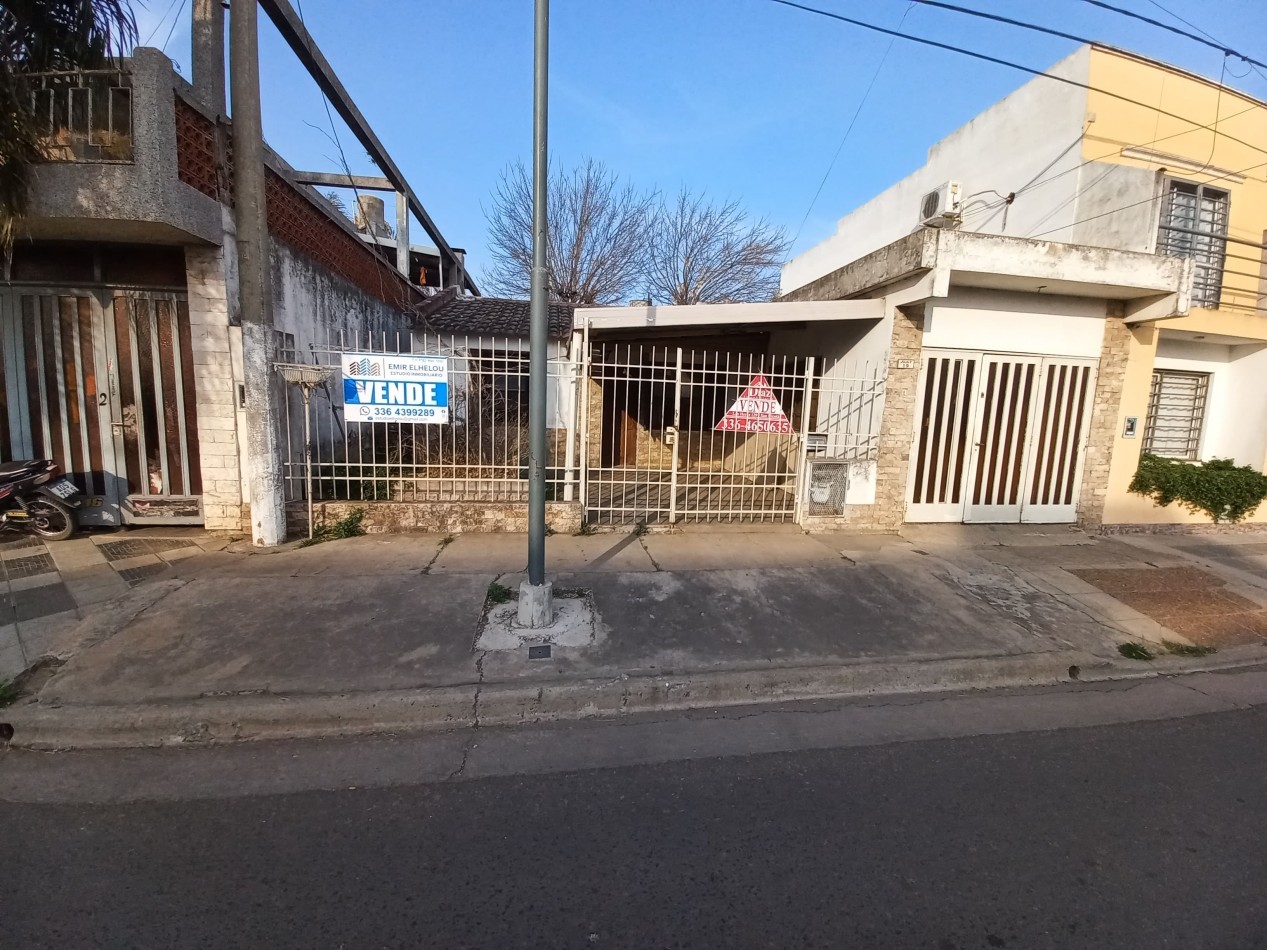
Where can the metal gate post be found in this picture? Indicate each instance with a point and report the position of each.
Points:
(583, 423)
(677, 421)
(802, 483)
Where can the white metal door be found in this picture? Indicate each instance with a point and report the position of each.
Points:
(1000, 438)
(1061, 418)
(946, 401)
(996, 471)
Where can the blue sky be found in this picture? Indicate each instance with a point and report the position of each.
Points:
(741, 98)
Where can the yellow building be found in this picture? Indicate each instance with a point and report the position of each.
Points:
(1197, 383)
(1130, 156)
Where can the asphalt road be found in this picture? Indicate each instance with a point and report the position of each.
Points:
(1147, 835)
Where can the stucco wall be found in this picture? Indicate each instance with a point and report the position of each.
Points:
(1236, 402)
(1223, 145)
(1007, 322)
(1030, 140)
(1235, 422)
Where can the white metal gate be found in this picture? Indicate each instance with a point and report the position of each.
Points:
(657, 449)
(1000, 438)
(101, 382)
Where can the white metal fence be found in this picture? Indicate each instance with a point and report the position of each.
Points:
(636, 432)
(480, 454)
(689, 435)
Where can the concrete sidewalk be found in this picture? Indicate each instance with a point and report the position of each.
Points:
(383, 632)
(46, 588)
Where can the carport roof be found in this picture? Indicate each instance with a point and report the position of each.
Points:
(722, 316)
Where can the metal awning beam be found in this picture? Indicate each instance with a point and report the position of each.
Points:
(340, 180)
(305, 48)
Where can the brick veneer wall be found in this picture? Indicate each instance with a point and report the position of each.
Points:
(1102, 431)
(214, 388)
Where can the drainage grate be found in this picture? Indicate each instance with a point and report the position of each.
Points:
(135, 575)
(539, 653)
(19, 544)
(29, 566)
(118, 550)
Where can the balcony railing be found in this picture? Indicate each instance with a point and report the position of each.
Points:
(86, 115)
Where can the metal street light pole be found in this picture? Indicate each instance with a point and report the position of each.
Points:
(535, 607)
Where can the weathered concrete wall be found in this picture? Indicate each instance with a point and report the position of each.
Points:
(1114, 207)
(1033, 135)
(317, 307)
(138, 201)
(435, 517)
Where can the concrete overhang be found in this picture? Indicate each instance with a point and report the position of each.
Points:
(110, 231)
(1152, 286)
(720, 316)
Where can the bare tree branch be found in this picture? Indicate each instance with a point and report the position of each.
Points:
(703, 252)
(596, 240)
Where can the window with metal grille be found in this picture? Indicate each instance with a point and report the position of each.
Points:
(1176, 411)
(1194, 224)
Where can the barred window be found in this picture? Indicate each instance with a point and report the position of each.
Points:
(1176, 412)
(1194, 224)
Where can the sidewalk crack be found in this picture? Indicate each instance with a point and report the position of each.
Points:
(469, 747)
(444, 543)
(654, 562)
(1177, 677)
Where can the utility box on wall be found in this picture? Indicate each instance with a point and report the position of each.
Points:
(827, 487)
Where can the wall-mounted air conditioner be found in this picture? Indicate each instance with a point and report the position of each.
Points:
(942, 207)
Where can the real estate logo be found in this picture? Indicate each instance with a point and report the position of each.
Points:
(363, 367)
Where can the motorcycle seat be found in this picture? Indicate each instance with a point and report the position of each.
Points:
(11, 471)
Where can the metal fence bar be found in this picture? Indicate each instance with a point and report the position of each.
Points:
(621, 467)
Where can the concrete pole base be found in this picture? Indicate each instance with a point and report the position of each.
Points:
(536, 605)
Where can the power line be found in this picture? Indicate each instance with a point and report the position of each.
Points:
(857, 112)
(1206, 39)
(1214, 141)
(985, 57)
(1134, 204)
(1025, 25)
(1117, 151)
(159, 25)
(347, 170)
(1225, 50)
(175, 20)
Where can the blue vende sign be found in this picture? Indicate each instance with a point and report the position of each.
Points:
(385, 387)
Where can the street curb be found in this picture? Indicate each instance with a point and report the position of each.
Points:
(256, 717)
(269, 717)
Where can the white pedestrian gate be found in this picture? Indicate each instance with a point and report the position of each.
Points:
(1000, 438)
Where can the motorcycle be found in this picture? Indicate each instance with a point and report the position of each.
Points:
(33, 500)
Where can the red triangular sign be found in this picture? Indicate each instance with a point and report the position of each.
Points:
(756, 410)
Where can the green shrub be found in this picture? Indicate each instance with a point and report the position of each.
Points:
(499, 593)
(349, 526)
(1135, 651)
(1220, 488)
